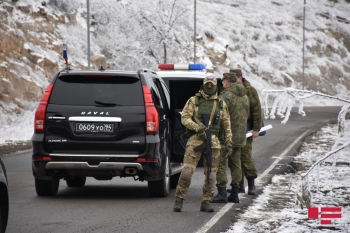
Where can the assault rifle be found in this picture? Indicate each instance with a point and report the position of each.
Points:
(207, 144)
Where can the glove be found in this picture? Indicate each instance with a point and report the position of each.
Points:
(228, 149)
(201, 133)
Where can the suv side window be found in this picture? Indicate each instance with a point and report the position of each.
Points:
(156, 96)
(167, 94)
(161, 92)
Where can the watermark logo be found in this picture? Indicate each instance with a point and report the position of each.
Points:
(325, 214)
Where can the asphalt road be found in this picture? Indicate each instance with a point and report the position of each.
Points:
(124, 205)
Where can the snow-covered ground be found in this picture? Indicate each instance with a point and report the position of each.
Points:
(275, 210)
(17, 127)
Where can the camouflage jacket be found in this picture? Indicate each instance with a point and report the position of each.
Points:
(190, 109)
(255, 114)
(238, 106)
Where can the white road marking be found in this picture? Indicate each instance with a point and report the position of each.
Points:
(228, 206)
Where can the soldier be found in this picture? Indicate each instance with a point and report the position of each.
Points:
(234, 95)
(254, 124)
(204, 103)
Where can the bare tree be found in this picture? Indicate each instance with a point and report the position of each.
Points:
(136, 34)
(165, 24)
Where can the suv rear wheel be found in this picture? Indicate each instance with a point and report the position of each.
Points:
(47, 187)
(76, 181)
(161, 188)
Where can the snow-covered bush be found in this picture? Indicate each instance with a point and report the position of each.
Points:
(282, 103)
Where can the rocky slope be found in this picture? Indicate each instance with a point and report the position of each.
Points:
(31, 48)
(30, 52)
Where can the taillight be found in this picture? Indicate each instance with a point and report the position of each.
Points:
(150, 160)
(42, 158)
(152, 117)
(40, 114)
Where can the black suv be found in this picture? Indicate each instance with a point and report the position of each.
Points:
(104, 124)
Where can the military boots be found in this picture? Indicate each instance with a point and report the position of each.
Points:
(205, 207)
(234, 195)
(221, 197)
(251, 186)
(241, 186)
(178, 204)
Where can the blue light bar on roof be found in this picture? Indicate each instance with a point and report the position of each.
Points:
(196, 67)
(181, 66)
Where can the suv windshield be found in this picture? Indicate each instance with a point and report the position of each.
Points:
(97, 90)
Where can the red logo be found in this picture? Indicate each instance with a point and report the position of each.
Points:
(324, 213)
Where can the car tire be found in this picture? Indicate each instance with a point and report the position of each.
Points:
(4, 208)
(174, 179)
(76, 181)
(161, 188)
(4, 201)
(47, 187)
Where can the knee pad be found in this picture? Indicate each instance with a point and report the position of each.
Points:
(212, 178)
(186, 174)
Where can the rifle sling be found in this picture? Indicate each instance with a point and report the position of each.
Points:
(212, 113)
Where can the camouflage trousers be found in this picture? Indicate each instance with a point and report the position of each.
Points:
(234, 163)
(247, 162)
(190, 164)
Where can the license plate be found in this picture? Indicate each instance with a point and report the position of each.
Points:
(94, 128)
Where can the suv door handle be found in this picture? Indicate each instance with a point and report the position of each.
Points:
(164, 117)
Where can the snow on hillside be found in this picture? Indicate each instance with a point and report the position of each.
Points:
(263, 37)
(266, 37)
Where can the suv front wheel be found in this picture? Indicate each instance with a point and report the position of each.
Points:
(161, 188)
(47, 187)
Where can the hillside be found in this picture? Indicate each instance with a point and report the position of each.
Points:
(263, 37)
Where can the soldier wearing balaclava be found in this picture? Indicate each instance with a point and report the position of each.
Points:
(204, 105)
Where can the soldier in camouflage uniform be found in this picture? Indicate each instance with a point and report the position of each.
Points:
(255, 123)
(204, 102)
(234, 95)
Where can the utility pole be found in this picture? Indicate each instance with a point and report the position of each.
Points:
(88, 32)
(194, 36)
(304, 45)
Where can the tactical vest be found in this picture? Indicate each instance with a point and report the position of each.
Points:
(205, 107)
